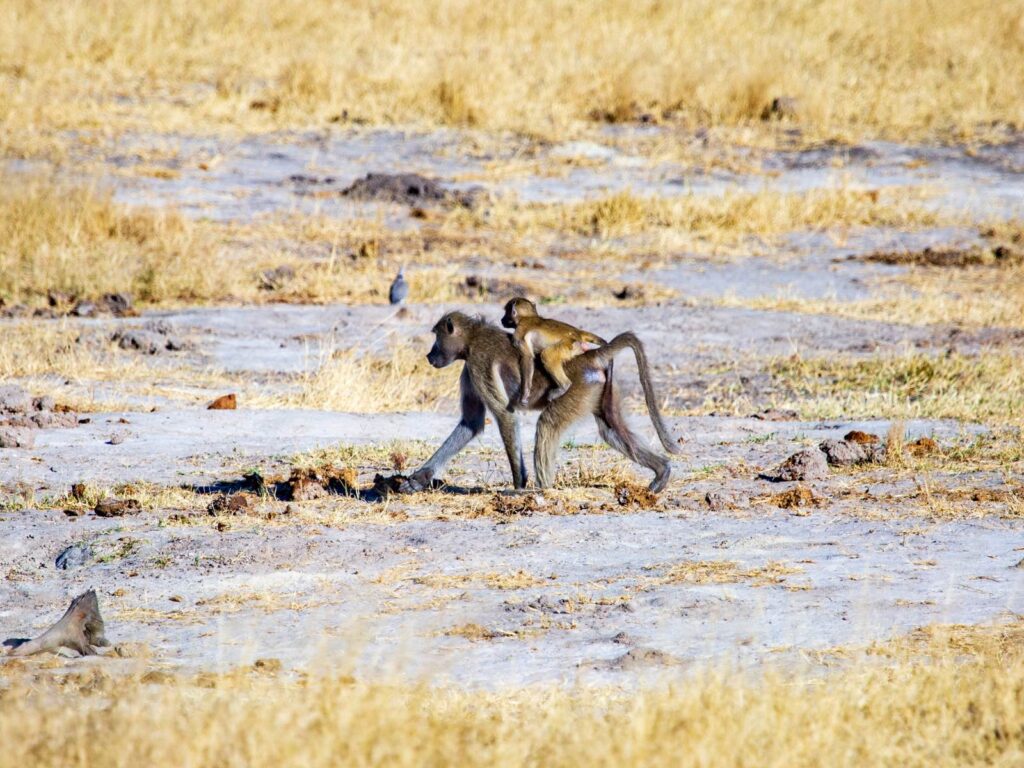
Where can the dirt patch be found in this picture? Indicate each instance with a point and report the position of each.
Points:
(1010, 252)
(151, 339)
(410, 189)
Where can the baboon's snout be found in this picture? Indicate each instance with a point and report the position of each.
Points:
(435, 358)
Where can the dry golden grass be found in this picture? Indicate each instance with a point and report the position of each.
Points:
(988, 387)
(542, 66)
(60, 238)
(716, 220)
(75, 240)
(986, 292)
(975, 297)
(881, 707)
(356, 381)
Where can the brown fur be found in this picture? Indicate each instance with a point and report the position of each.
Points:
(553, 341)
(491, 380)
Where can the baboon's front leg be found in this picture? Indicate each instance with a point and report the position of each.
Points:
(508, 426)
(470, 425)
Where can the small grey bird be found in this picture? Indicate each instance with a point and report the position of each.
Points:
(399, 288)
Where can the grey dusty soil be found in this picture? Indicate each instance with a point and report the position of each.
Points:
(721, 570)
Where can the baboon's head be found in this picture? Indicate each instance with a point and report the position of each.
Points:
(516, 309)
(449, 340)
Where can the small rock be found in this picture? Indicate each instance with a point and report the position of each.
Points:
(74, 556)
(235, 504)
(117, 507)
(176, 599)
(224, 403)
(16, 437)
(861, 438)
(116, 439)
(73, 512)
(844, 453)
(803, 465)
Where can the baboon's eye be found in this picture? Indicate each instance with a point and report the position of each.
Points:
(449, 325)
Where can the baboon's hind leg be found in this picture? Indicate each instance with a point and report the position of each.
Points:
(632, 446)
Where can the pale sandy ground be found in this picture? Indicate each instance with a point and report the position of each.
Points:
(361, 590)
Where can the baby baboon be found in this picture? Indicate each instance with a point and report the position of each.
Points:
(491, 377)
(555, 342)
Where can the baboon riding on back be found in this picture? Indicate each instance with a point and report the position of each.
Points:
(491, 381)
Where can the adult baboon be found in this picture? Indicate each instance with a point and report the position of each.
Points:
(491, 382)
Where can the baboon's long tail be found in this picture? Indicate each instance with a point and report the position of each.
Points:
(607, 354)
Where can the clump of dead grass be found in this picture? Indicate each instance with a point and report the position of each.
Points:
(985, 388)
(719, 220)
(721, 572)
(356, 381)
(56, 237)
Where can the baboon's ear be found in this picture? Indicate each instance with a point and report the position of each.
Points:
(449, 326)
